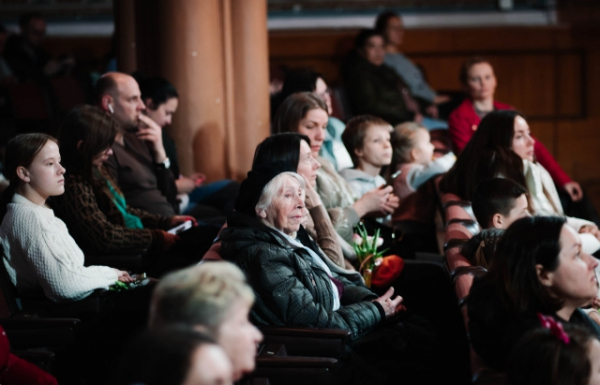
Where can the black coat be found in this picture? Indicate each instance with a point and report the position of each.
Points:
(290, 288)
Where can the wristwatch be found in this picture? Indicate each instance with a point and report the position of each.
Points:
(165, 163)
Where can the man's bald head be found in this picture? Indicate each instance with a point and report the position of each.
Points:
(119, 94)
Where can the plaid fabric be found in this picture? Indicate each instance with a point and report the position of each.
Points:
(290, 288)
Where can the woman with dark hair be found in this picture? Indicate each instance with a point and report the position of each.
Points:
(390, 25)
(174, 356)
(539, 266)
(555, 354)
(503, 147)
(478, 79)
(96, 211)
(198, 199)
(310, 81)
(306, 114)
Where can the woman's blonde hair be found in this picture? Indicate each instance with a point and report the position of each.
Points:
(403, 141)
(202, 295)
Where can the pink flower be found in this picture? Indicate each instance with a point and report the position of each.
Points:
(357, 239)
(379, 241)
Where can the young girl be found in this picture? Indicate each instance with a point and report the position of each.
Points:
(413, 166)
(38, 251)
(555, 355)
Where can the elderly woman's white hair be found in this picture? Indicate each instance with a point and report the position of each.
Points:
(272, 188)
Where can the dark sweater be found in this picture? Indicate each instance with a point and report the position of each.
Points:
(375, 90)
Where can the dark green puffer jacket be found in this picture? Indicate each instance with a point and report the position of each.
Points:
(290, 289)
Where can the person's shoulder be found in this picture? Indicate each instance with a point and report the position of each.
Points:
(463, 108)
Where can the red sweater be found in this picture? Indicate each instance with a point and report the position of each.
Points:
(463, 122)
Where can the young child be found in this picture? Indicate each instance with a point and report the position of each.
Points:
(498, 202)
(555, 355)
(413, 165)
(367, 139)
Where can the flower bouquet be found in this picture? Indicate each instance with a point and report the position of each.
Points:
(365, 247)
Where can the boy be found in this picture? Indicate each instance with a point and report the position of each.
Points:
(498, 202)
(367, 139)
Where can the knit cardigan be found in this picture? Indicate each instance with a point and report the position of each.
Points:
(39, 254)
(97, 224)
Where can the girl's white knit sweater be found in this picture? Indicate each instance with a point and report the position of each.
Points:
(39, 253)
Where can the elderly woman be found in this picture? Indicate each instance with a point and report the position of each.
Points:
(294, 286)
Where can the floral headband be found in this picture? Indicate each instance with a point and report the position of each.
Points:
(556, 328)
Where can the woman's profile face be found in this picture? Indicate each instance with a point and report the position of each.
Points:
(394, 31)
(322, 91)
(522, 142)
(163, 115)
(239, 338)
(481, 81)
(45, 175)
(307, 164)
(286, 211)
(574, 280)
(314, 125)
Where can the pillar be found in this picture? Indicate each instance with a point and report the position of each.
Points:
(124, 39)
(251, 79)
(215, 53)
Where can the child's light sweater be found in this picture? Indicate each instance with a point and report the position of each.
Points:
(39, 253)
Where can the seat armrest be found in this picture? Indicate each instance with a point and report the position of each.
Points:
(39, 323)
(27, 333)
(295, 362)
(128, 261)
(461, 203)
(475, 271)
(454, 242)
(306, 332)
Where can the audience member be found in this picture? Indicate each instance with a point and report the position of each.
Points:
(24, 53)
(174, 356)
(97, 213)
(367, 139)
(539, 266)
(40, 256)
(391, 26)
(503, 147)
(161, 100)
(17, 371)
(310, 81)
(413, 166)
(306, 114)
(295, 149)
(498, 202)
(557, 355)
(212, 298)
(295, 286)
(374, 88)
(478, 79)
(36, 245)
(139, 163)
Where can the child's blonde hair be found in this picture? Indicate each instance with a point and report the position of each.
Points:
(403, 141)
